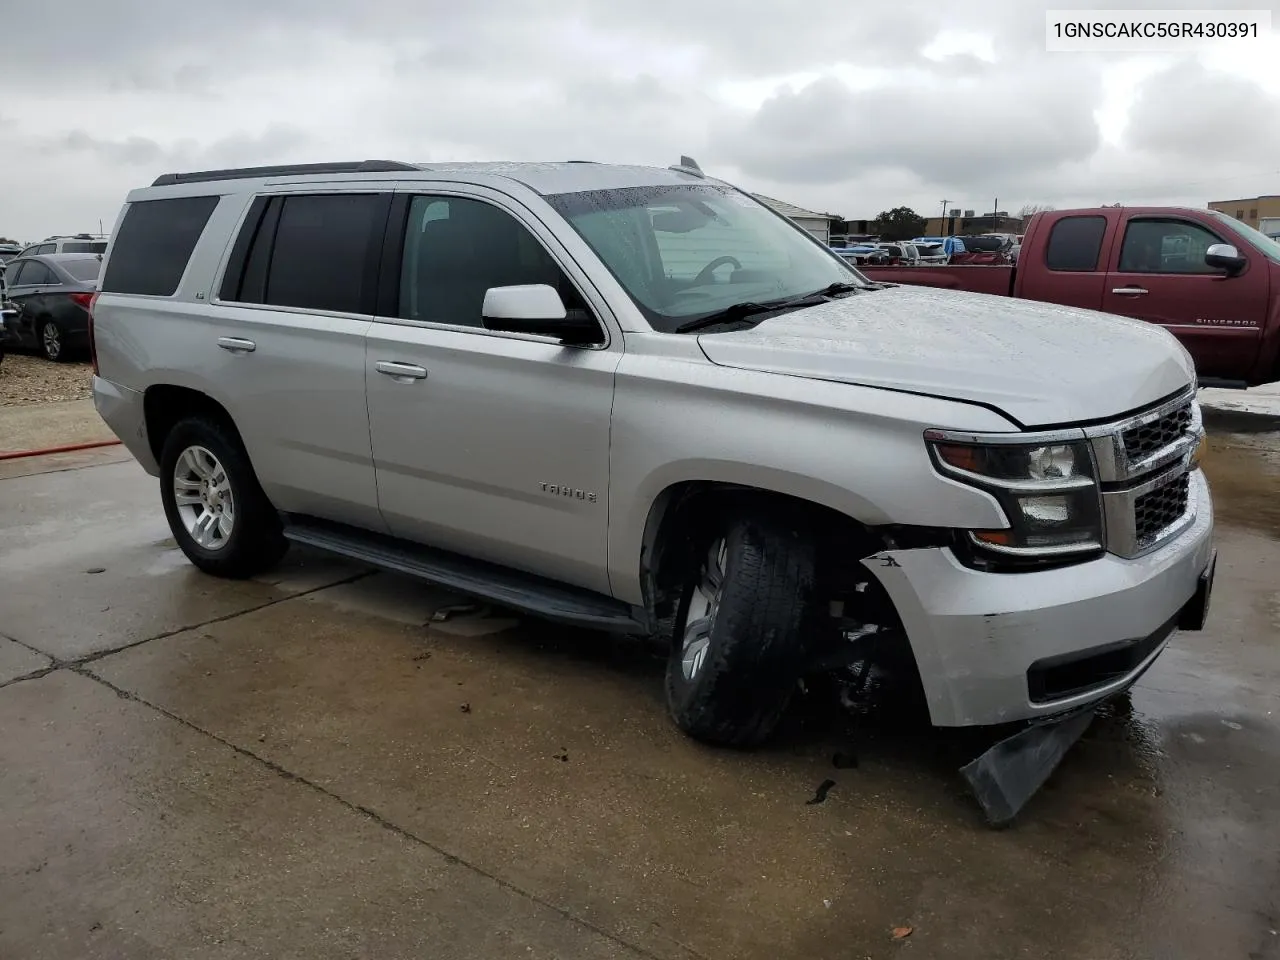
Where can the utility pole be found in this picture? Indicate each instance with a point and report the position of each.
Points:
(995, 217)
(942, 223)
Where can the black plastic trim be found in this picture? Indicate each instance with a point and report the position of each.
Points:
(230, 289)
(392, 255)
(252, 287)
(284, 170)
(370, 291)
(1070, 674)
(513, 588)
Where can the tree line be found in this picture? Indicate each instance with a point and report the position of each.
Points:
(903, 223)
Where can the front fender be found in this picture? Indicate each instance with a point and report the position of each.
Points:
(856, 450)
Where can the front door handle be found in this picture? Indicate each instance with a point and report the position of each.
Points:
(237, 344)
(1129, 291)
(401, 371)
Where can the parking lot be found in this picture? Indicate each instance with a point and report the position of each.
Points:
(307, 765)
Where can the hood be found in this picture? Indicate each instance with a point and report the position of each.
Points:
(1039, 363)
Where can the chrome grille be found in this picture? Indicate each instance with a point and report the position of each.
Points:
(1161, 508)
(1144, 464)
(1146, 438)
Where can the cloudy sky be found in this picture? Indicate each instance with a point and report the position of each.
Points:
(850, 107)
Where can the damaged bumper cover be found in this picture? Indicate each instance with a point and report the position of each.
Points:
(996, 648)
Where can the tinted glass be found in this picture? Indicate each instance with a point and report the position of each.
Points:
(1165, 246)
(37, 274)
(455, 249)
(13, 275)
(45, 248)
(1075, 243)
(321, 246)
(83, 270)
(687, 251)
(154, 243)
(85, 246)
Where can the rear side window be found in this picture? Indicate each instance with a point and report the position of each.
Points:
(83, 270)
(37, 274)
(85, 246)
(1075, 243)
(310, 251)
(154, 243)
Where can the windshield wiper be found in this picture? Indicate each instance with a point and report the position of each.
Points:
(749, 308)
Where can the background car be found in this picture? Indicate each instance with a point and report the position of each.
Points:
(80, 243)
(51, 295)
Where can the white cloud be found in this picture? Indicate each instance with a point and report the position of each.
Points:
(846, 107)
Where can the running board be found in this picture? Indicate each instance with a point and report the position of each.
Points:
(476, 578)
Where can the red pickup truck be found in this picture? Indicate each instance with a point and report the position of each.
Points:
(1211, 281)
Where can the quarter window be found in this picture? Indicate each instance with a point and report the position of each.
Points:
(1165, 246)
(154, 243)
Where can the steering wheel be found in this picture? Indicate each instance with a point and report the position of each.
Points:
(704, 275)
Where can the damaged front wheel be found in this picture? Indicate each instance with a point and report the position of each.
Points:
(739, 644)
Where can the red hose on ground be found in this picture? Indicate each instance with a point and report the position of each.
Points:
(68, 448)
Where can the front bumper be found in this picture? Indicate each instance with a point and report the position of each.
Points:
(1001, 647)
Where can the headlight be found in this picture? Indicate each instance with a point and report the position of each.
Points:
(1048, 492)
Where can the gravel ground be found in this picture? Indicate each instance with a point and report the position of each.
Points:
(25, 379)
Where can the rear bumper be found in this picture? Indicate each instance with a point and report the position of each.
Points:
(122, 410)
(1001, 647)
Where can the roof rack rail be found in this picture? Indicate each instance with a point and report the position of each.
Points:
(284, 170)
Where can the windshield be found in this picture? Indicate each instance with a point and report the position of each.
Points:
(1260, 241)
(685, 251)
(82, 270)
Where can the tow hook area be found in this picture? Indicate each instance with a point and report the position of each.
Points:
(1009, 773)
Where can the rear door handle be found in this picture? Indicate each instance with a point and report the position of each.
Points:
(1129, 291)
(401, 371)
(237, 345)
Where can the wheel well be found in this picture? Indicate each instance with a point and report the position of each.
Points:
(685, 516)
(165, 404)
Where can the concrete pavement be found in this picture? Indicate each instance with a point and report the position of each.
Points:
(303, 765)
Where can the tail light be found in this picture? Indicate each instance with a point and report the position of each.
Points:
(91, 300)
(84, 300)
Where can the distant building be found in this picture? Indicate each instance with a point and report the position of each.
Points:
(819, 224)
(1252, 210)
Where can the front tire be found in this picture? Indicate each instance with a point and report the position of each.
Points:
(216, 509)
(739, 644)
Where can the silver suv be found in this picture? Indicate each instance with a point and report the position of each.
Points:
(638, 400)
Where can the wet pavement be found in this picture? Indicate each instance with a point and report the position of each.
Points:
(305, 766)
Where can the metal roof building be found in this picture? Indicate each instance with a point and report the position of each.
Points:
(819, 224)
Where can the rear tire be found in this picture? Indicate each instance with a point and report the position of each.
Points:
(216, 509)
(740, 632)
(53, 342)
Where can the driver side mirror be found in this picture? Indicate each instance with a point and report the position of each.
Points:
(1223, 256)
(536, 308)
